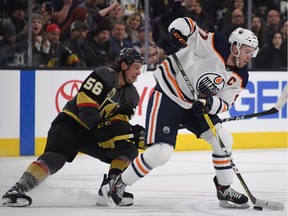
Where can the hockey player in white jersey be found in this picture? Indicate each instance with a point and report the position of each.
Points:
(217, 71)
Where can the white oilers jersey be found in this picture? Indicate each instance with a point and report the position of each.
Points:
(204, 61)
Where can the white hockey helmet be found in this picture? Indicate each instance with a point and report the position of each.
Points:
(244, 36)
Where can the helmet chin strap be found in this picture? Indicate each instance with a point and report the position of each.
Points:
(236, 56)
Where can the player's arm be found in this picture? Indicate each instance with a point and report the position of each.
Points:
(179, 31)
(92, 93)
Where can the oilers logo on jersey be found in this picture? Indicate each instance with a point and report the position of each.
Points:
(209, 84)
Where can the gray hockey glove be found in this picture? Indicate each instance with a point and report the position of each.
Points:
(105, 136)
(173, 42)
(139, 133)
(202, 106)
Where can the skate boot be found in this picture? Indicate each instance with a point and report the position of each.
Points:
(113, 191)
(229, 198)
(127, 199)
(15, 197)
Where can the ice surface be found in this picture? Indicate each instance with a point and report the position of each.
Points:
(181, 187)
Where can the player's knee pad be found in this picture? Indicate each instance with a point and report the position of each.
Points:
(158, 154)
(53, 160)
(224, 135)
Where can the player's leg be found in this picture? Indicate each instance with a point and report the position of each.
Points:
(53, 159)
(35, 173)
(125, 151)
(162, 122)
(229, 198)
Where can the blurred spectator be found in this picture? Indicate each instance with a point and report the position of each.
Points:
(133, 23)
(157, 8)
(11, 54)
(237, 20)
(116, 15)
(156, 54)
(273, 24)
(273, 54)
(37, 37)
(258, 29)
(284, 31)
(132, 6)
(96, 13)
(59, 55)
(91, 6)
(117, 39)
(228, 10)
(161, 24)
(99, 50)
(262, 7)
(78, 14)
(202, 18)
(74, 43)
(62, 10)
(16, 16)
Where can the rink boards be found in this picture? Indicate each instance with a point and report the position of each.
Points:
(31, 99)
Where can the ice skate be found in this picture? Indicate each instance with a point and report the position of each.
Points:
(229, 198)
(113, 191)
(127, 199)
(15, 197)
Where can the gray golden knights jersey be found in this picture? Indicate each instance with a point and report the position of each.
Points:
(204, 61)
(99, 98)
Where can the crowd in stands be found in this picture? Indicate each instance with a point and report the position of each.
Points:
(90, 33)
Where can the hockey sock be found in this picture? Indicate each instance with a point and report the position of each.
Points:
(118, 165)
(34, 175)
(223, 169)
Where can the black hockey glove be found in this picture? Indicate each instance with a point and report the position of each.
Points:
(202, 106)
(173, 42)
(105, 135)
(138, 140)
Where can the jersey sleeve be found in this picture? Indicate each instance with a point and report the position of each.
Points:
(92, 93)
(185, 25)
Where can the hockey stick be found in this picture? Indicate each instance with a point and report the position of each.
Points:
(128, 136)
(261, 203)
(275, 109)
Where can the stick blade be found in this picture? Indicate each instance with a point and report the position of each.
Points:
(275, 206)
(282, 99)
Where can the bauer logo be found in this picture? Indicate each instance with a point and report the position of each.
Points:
(66, 92)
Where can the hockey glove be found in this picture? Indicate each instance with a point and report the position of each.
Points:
(138, 140)
(202, 106)
(105, 136)
(173, 42)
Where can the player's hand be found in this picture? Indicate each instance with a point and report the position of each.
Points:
(203, 106)
(173, 42)
(138, 140)
(105, 136)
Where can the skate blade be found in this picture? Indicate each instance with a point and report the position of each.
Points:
(227, 204)
(20, 202)
(105, 191)
(126, 201)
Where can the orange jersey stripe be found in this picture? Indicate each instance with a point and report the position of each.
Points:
(191, 24)
(140, 166)
(180, 95)
(153, 114)
(220, 162)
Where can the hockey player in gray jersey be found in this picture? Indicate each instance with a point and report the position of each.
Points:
(88, 123)
(217, 71)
